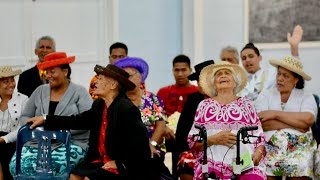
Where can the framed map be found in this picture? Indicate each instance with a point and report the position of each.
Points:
(268, 21)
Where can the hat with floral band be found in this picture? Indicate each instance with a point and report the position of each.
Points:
(6, 71)
(208, 72)
(292, 64)
(55, 59)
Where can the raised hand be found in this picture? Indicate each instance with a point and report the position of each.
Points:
(296, 36)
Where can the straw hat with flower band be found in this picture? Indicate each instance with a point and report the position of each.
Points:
(6, 71)
(55, 59)
(208, 72)
(292, 64)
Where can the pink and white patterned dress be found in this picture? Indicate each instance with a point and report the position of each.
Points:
(216, 117)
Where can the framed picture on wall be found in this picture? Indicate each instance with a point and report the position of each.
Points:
(267, 22)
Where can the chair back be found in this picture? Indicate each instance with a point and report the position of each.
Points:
(44, 138)
(316, 125)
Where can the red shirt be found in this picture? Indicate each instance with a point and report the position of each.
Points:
(174, 97)
(102, 148)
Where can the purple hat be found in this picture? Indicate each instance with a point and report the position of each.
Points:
(135, 62)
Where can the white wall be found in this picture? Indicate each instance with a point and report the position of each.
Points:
(152, 31)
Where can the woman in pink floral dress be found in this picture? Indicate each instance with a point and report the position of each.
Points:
(223, 115)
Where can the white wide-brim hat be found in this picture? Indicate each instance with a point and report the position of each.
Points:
(292, 64)
(208, 72)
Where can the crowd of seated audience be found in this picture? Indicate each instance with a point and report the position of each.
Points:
(119, 130)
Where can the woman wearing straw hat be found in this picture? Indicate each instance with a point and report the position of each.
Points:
(59, 97)
(152, 112)
(119, 143)
(223, 114)
(11, 105)
(287, 113)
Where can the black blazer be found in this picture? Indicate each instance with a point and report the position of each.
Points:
(29, 80)
(126, 141)
(186, 120)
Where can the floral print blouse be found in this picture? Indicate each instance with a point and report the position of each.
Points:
(152, 110)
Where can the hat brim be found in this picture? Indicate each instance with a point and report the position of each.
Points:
(207, 73)
(277, 63)
(56, 62)
(11, 73)
(194, 76)
(116, 76)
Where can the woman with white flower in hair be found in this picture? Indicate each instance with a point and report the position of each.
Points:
(223, 114)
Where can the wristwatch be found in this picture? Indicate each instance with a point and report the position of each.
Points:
(44, 116)
(153, 143)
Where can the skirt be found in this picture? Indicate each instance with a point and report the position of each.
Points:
(29, 159)
(290, 155)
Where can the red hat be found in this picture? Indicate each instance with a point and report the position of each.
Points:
(55, 59)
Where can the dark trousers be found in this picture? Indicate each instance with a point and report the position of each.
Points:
(6, 152)
(159, 169)
(171, 147)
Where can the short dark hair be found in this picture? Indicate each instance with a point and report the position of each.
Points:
(300, 83)
(181, 59)
(117, 45)
(66, 66)
(251, 46)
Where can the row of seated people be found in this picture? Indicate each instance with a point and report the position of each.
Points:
(134, 97)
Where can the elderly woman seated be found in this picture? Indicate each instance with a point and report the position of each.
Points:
(152, 112)
(223, 114)
(287, 113)
(118, 142)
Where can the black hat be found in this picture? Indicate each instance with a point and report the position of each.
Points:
(117, 74)
(195, 76)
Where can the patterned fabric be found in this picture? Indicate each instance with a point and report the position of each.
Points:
(174, 97)
(289, 151)
(216, 117)
(92, 87)
(152, 110)
(29, 159)
(290, 155)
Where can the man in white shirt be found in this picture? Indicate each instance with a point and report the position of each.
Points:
(261, 79)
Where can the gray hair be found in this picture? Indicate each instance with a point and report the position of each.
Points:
(236, 80)
(49, 38)
(232, 50)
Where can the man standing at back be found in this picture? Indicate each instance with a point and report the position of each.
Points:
(117, 51)
(30, 79)
(174, 96)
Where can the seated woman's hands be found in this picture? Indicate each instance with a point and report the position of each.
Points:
(224, 137)
(111, 166)
(36, 121)
(257, 155)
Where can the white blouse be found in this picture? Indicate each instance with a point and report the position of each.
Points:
(299, 101)
(5, 121)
